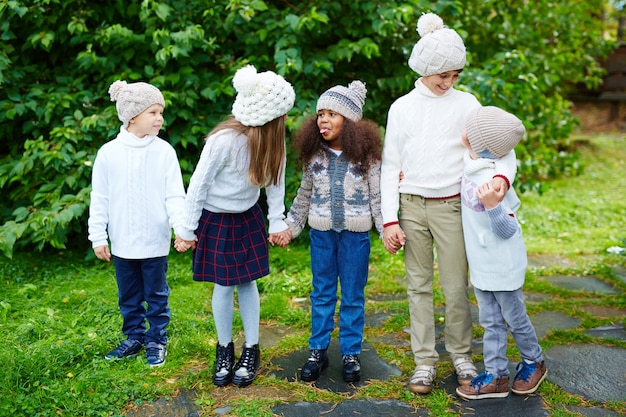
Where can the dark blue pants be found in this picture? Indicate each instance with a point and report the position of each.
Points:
(141, 282)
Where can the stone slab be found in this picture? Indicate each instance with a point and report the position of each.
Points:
(350, 408)
(595, 372)
(608, 332)
(590, 284)
(288, 367)
(552, 320)
(181, 405)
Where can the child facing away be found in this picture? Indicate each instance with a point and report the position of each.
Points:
(340, 196)
(497, 257)
(137, 194)
(240, 155)
(423, 211)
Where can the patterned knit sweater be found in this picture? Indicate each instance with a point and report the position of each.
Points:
(333, 195)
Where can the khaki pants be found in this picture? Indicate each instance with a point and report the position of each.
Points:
(432, 225)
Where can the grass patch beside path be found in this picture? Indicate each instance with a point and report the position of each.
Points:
(59, 314)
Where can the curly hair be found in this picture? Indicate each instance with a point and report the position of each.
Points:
(361, 141)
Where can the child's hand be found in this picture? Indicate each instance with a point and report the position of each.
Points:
(489, 196)
(103, 252)
(498, 183)
(182, 245)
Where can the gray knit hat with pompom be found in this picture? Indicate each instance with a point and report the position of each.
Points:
(261, 97)
(439, 49)
(132, 99)
(348, 102)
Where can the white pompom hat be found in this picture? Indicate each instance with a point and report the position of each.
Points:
(439, 49)
(261, 97)
(132, 99)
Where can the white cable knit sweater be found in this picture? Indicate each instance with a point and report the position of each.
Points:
(220, 184)
(137, 195)
(423, 140)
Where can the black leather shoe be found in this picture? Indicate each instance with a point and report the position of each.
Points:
(351, 368)
(224, 362)
(317, 362)
(247, 366)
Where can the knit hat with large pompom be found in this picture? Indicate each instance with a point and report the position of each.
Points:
(439, 49)
(132, 99)
(493, 132)
(261, 97)
(348, 102)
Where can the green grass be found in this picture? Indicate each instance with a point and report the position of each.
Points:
(59, 315)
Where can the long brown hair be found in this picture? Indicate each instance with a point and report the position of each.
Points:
(266, 147)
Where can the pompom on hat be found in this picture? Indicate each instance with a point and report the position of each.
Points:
(439, 49)
(493, 132)
(261, 97)
(348, 102)
(132, 99)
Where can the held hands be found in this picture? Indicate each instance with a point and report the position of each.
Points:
(182, 245)
(393, 238)
(281, 239)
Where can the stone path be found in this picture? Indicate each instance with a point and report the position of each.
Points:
(593, 371)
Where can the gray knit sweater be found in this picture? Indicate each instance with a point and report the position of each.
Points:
(335, 196)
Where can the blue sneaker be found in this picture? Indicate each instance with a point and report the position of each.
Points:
(155, 354)
(126, 349)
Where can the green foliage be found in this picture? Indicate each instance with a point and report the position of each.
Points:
(58, 58)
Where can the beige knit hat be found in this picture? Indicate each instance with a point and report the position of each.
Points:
(133, 99)
(493, 132)
(439, 50)
(261, 97)
(348, 102)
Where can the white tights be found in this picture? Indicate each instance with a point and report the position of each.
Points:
(249, 308)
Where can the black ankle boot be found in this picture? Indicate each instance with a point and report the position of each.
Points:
(247, 366)
(351, 368)
(317, 362)
(224, 361)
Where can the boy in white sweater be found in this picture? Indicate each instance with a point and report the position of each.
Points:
(137, 194)
(497, 257)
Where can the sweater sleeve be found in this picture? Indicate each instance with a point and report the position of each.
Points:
(212, 159)
(276, 204)
(299, 211)
(98, 207)
(506, 167)
(503, 224)
(373, 180)
(174, 190)
(390, 171)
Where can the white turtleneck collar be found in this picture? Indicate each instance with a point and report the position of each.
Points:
(422, 89)
(130, 139)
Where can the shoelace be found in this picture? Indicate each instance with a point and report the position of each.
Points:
(482, 379)
(126, 347)
(153, 351)
(225, 361)
(525, 372)
(315, 356)
(350, 358)
(247, 358)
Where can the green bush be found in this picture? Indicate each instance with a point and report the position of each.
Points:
(58, 58)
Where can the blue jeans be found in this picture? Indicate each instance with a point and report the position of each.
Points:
(343, 255)
(141, 281)
(499, 311)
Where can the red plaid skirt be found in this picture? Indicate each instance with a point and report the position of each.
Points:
(231, 247)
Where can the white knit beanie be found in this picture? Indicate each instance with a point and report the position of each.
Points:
(348, 102)
(133, 99)
(493, 132)
(439, 49)
(261, 97)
